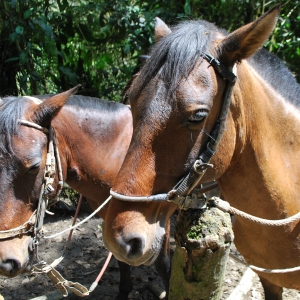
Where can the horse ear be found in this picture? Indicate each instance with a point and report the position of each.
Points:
(245, 41)
(45, 111)
(161, 29)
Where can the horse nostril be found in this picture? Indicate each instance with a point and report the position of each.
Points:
(10, 266)
(136, 246)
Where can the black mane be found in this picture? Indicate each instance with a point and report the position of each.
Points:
(175, 55)
(274, 71)
(91, 103)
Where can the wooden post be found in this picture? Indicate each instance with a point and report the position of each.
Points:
(203, 239)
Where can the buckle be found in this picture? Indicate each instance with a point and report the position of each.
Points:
(187, 202)
(200, 167)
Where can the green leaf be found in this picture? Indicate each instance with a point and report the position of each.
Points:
(187, 8)
(27, 13)
(12, 37)
(45, 27)
(71, 75)
(19, 30)
(35, 75)
(23, 58)
(50, 46)
(12, 59)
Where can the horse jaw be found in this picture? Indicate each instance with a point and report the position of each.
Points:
(14, 256)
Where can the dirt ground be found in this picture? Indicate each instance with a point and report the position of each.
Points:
(83, 260)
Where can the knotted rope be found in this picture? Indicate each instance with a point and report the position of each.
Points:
(225, 206)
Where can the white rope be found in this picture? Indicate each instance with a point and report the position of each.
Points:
(263, 269)
(225, 206)
(80, 223)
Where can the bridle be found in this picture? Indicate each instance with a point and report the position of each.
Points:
(34, 225)
(182, 194)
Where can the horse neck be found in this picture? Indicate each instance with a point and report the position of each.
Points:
(92, 146)
(263, 172)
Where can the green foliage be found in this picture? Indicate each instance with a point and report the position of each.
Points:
(49, 46)
(285, 41)
(70, 194)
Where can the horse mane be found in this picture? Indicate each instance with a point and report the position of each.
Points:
(274, 71)
(101, 105)
(87, 102)
(11, 110)
(126, 90)
(175, 56)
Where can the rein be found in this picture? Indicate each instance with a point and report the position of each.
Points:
(181, 193)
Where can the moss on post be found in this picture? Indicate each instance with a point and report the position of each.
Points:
(203, 239)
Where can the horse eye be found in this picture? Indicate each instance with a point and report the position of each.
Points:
(198, 116)
(33, 169)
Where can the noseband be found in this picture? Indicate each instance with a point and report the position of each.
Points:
(182, 194)
(35, 222)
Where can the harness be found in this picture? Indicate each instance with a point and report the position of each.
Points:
(35, 223)
(182, 194)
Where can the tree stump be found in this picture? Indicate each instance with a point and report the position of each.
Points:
(203, 238)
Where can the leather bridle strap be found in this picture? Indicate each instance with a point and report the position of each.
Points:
(180, 194)
(196, 173)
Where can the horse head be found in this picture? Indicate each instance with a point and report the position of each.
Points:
(23, 152)
(176, 102)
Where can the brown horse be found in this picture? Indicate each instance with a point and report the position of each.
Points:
(92, 136)
(181, 101)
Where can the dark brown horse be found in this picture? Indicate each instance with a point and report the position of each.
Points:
(181, 102)
(92, 136)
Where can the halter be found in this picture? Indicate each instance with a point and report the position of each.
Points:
(181, 193)
(35, 222)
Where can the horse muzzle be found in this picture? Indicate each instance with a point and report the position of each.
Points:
(14, 256)
(137, 247)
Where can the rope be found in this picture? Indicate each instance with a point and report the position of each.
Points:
(95, 283)
(281, 271)
(225, 206)
(74, 220)
(80, 223)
